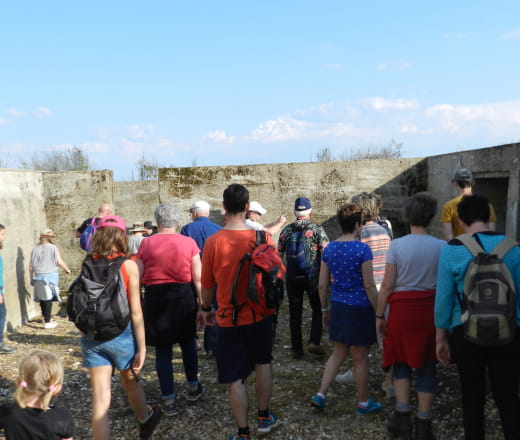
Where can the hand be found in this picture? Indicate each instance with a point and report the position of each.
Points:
(139, 360)
(443, 352)
(381, 327)
(282, 219)
(1, 298)
(208, 318)
(67, 271)
(200, 321)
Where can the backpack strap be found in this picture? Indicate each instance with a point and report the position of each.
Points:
(470, 244)
(260, 238)
(502, 248)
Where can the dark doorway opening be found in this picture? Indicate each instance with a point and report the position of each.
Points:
(495, 189)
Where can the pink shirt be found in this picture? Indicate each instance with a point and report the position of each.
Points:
(167, 258)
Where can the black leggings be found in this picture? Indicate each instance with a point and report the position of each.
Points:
(502, 365)
(46, 307)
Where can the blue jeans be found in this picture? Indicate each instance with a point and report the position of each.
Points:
(2, 320)
(164, 368)
(426, 381)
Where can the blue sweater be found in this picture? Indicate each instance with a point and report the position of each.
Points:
(453, 263)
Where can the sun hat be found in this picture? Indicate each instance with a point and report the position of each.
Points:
(138, 227)
(255, 206)
(113, 221)
(47, 233)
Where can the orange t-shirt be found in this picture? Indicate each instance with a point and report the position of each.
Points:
(220, 260)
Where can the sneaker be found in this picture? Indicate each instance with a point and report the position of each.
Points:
(5, 349)
(347, 378)
(169, 409)
(194, 394)
(50, 324)
(239, 437)
(146, 429)
(267, 424)
(318, 402)
(316, 349)
(371, 407)
(388, 389)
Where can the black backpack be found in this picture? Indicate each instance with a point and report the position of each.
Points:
(97, 301)
(489, 299)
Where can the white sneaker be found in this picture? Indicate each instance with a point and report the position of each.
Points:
(388, 389)
(51, 324)
(346, 378)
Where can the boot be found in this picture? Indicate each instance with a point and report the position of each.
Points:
(423, 429)
(400, 426)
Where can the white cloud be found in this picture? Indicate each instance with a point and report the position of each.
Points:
(4, 121)
(219, 136)
(42, 113)
(412, 128)
(510, 35)
(16, 113)
(381, 104)
(502, 118)
(394, 66)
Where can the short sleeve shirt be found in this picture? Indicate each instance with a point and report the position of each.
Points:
(344, 260)
(449, 215)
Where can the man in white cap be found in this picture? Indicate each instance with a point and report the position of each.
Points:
(253, 215)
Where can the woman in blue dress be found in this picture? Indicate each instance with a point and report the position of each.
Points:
(347, 265)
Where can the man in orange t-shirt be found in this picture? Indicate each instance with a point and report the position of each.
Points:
(248, 344)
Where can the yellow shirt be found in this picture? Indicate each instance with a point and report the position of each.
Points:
(449, 215)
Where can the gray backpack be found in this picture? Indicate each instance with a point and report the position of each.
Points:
(489, 299)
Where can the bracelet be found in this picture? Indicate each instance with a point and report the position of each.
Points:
(325, 310)
(206, 309)
(380, 317)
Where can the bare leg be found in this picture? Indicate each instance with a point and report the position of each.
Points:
(101, 383)
(239, 404)
(338, 356)
(402, 390)
(264, 385)
(135, 393)
(425, 401)
(360, 361)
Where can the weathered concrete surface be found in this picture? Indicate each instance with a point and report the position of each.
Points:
(136, 201)
(497, 175)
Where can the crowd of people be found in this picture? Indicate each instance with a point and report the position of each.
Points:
(365, 287)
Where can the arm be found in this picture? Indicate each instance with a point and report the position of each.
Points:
(136, 313)
(195, 276)
(60, 262)
(207, 296)
(447, 231)
(387, 287)
(369, 283)
(323, 286)
(442, 346)
(274, 227)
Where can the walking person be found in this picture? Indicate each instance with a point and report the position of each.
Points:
(32, 416)
(478, 363)
(169, 264)
(409, 332)
(44, 274)
(4, 348)
(125, 352)
(303, 243)
(350, 316)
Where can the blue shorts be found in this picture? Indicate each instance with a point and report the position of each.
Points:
(352, 325)
(118, 352)
(242, 347)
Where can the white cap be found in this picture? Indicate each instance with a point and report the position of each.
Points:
(200, 205)
(255, 206)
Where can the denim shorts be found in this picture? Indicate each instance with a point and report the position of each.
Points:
(118, 352)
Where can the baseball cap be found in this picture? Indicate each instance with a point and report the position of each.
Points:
(302, 204)
(148, 224)
(255, 206)
(463, 174)
(113, 221)
(200, 204)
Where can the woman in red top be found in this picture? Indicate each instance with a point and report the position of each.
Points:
(170, 267)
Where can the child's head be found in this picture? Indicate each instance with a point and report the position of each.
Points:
(40, 377)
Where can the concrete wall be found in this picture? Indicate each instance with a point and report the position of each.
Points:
(30, 200)
(497, 176)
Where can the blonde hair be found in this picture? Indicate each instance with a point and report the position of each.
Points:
(39, 377)
(369, 204)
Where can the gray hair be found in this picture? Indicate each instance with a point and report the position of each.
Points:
(167, 215)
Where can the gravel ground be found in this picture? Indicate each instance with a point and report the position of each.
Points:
(295, 381)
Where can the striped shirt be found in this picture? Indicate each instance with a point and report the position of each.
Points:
(378, 239)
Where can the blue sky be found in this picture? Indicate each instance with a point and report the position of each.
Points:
(229, 82)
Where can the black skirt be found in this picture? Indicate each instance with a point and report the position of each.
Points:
(170, 312)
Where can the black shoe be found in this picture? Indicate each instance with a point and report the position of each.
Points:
(423, 429)
(194, 394)
(146, 429)
(400, 425)
(5, 349)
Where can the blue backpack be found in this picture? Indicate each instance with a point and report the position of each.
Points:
(298, 269)
(85, 240)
